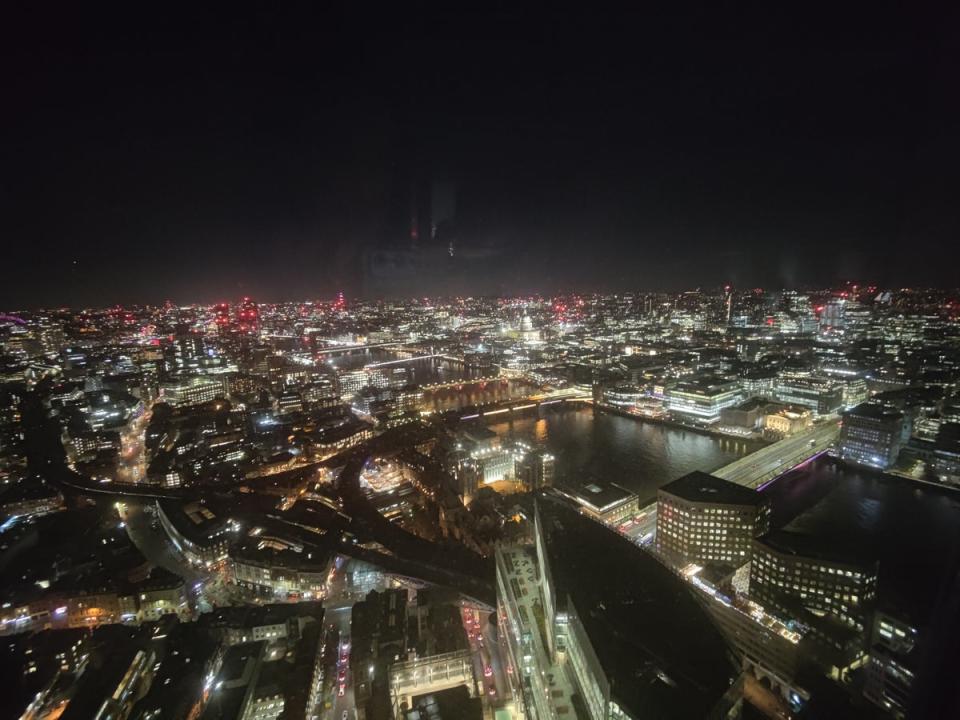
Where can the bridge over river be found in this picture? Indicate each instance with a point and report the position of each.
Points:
(766, 464)
(763, 466)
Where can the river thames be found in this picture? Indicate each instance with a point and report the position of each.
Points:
(640, 456)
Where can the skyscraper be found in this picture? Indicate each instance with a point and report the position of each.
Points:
(248, 318)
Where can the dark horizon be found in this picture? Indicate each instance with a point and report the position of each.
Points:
(284, 157)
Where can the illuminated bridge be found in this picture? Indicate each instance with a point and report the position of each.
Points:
(768, 463)
(337, 349)
(408, 356)
(532, 402)
(763, 466)
(430, 674)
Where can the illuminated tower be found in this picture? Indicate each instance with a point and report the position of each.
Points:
(221, 316)
(248, 318)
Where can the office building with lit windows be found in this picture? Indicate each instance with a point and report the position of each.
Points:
(194, 391)
(701, 401)
(890, 674)
(873, 434)
(797, 574)
(703, 519)
(822, 395)
(585, 639)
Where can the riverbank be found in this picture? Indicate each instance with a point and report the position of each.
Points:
(759, 442)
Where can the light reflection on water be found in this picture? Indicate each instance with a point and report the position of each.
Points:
(640, 456)
(912, 530)
(423, 371)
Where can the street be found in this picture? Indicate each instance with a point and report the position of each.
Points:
(342, 706)
(132, 465)
(489, 667)
(207, 590)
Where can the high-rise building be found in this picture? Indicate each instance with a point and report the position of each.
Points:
(221, 318)
(586, 639)
(248, 318)
(704, 519)
(832, 314)
(872, 434)
(188, 349)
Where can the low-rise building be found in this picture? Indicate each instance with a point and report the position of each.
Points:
(786, 421)
(273, 566)
(608, 503)
(702, 400)
(193, 391)
(195, 530)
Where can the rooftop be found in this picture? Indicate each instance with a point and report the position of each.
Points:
(874, 411)
(660, 651)
(810, 546)
(599, 496)
(704, 488)
(710, 385)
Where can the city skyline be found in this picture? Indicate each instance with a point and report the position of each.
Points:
(351, 509)
(480, 362)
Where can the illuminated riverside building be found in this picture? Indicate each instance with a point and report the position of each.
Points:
(787, 421)
(354, 381)
(702, 400)
(873, 434)
(585, 639)
(703, 519)
(482, 460)
(795, 574)
(622, 396)
(484, 467)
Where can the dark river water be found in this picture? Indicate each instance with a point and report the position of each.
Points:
(639, 456)
(912, 529)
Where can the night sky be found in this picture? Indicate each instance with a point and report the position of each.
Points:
(199, 157)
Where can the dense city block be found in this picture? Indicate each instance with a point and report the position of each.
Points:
(705, 504)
